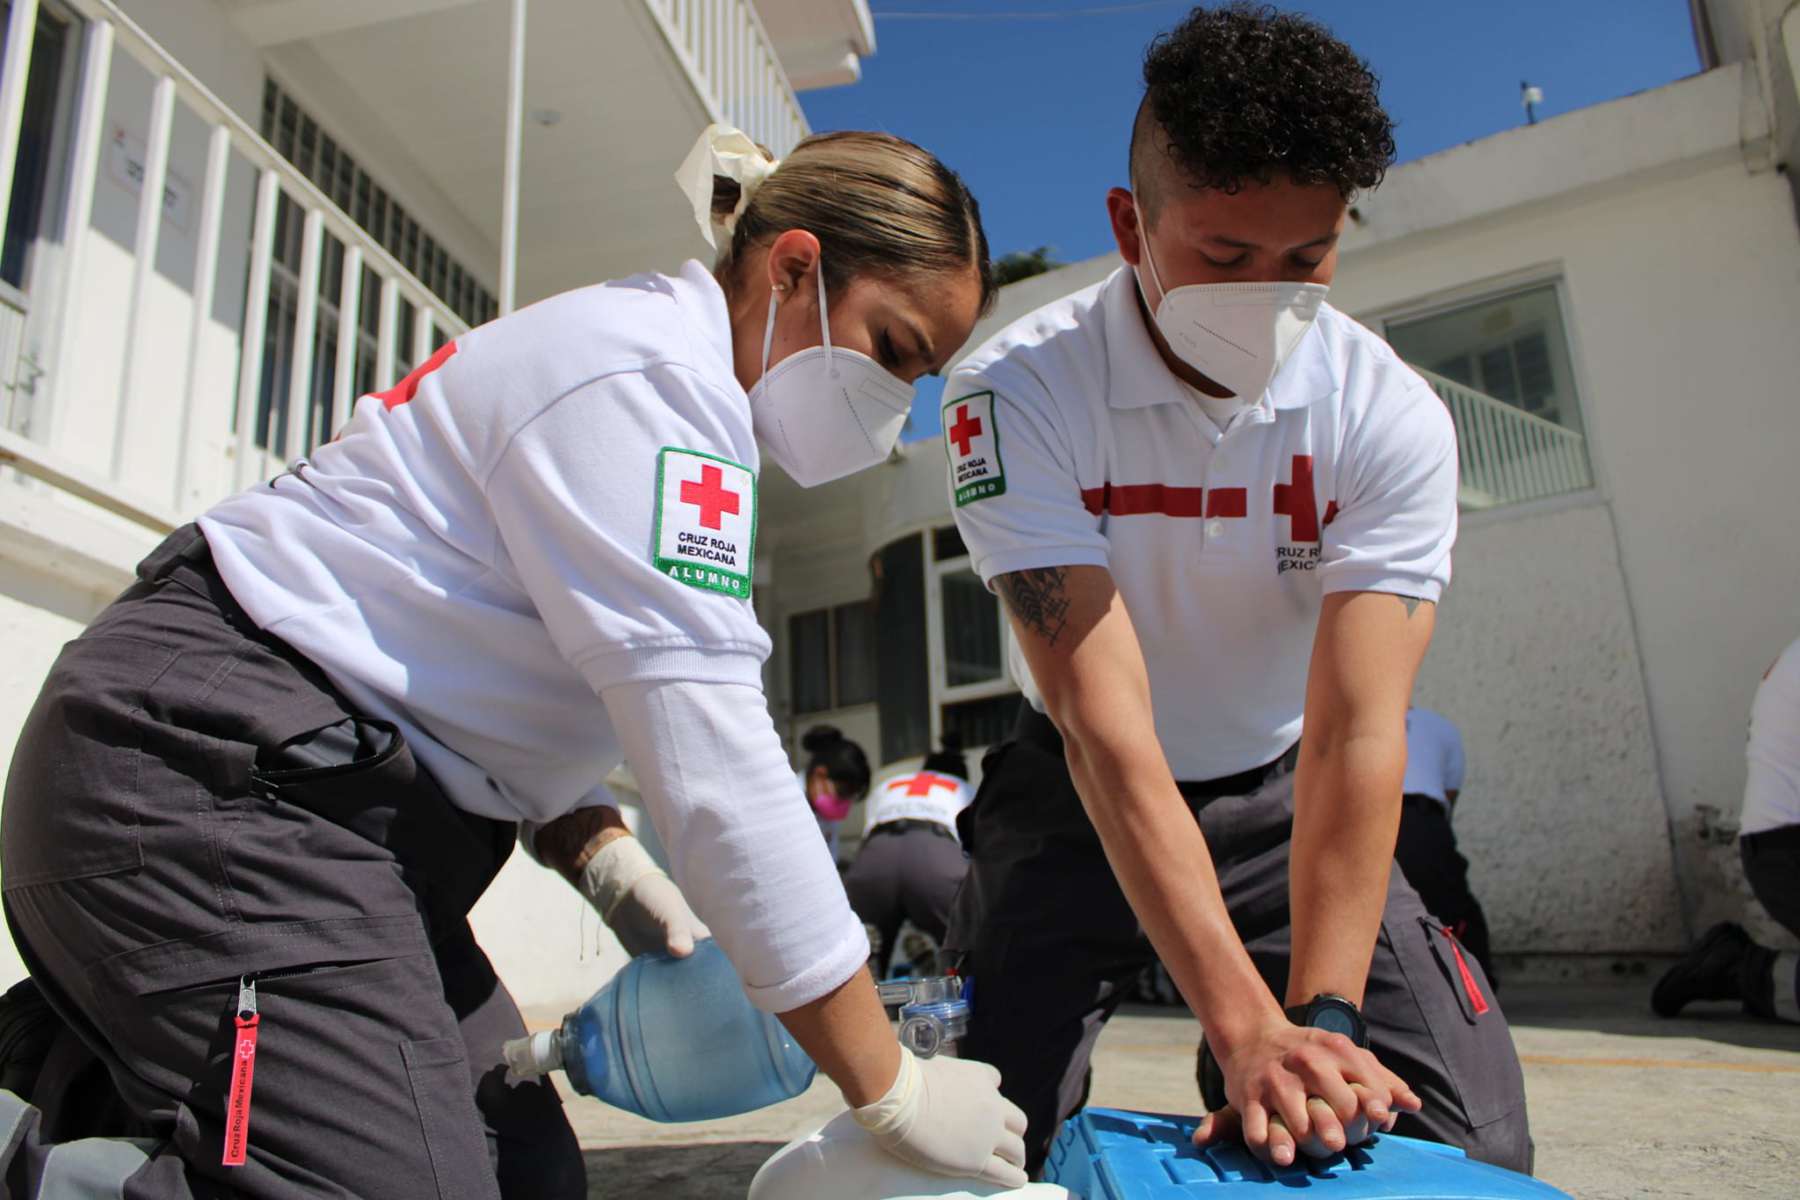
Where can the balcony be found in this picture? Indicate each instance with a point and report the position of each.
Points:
(1506, 455)
(194, 311)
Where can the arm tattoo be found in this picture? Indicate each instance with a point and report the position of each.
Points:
(1038, 599)
(1412, 603)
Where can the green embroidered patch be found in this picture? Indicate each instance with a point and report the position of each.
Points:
(972, 442)
(705, 526)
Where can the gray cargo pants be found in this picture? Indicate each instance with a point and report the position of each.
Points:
(1053, 948)
(160, 845)
(905, 871)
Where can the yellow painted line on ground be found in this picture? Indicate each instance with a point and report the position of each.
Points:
(1659, 1064)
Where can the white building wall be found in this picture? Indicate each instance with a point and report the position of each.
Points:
(1535, 659)
(1682, 295)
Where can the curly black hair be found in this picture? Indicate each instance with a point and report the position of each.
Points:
(1242, 93)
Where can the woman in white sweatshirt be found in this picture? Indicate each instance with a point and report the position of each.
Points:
(282, 766)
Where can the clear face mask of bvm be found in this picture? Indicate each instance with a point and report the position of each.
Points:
(934, 1012)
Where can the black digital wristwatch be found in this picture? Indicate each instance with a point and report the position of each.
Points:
(1326, 1011)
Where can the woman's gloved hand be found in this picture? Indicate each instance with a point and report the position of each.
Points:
(947, 1116)
(638, 901)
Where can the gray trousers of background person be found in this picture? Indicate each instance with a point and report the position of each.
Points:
(909, 876)
(1052, 948)
(174, 820)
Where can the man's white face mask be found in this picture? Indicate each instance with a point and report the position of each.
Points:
(826, 412)
(1235, 334)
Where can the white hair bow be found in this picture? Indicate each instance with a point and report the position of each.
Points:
(725, 151)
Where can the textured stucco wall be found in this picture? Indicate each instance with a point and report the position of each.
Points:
(1561, 819)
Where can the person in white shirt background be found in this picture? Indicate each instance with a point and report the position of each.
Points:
(911, 863)
(835, 777)
(1726, 964)
(1426, 849)
(281, 767)
(1217, 510)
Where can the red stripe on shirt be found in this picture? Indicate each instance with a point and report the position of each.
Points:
(406, 389)
(1139, 499)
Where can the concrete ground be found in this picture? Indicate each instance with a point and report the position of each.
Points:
(1622, 1104)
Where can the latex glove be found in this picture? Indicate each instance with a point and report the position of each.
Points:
(638, 901)
(947, 1116)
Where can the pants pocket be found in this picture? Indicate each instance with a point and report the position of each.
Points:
(398, 818)
(1473, 1042)
(74, 789)
(438, 1070)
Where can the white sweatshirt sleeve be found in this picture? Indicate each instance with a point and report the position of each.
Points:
(742, 844)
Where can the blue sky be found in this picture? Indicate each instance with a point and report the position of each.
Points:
(1031, 100)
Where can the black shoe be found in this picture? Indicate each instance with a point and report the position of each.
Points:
(27, 1027)
(1710, 971)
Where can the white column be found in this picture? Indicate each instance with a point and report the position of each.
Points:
(84, 168)
(21, 33)
(256, 320)
(143, 269)
(386, 334)
(515, 121)
(306, 324)
(349, 333)
(206, 267)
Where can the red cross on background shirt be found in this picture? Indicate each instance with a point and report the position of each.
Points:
(922, 783)
(709, 496)
(965, 429)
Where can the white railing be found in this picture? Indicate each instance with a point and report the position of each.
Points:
(15, 371)
(1507, 455)
(731, 61)
(143, 400)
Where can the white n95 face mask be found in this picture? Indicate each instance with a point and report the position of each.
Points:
(1235, 334)
(826, 412)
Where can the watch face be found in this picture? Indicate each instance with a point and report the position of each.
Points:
(1333, 1019)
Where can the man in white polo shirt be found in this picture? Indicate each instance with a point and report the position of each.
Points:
(1219, 510)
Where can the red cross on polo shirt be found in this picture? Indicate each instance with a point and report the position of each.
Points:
(1296, 501)
(965, 430)
(710, 496)
(922, 783)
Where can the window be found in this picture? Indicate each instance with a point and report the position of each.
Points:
(321, 159)
(971, 630)
(831, 657)
(971, 687)
(901, 659)
(809, 660)
(37, 129)
(854, 643)
(1502, 367)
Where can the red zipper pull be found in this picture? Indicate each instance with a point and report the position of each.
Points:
(243, 1071)
(1476, 1000)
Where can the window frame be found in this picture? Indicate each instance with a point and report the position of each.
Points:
(943, 692)
(833, 694)
(1556, 274)
(1492, 290)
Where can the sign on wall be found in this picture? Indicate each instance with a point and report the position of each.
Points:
(125, 158)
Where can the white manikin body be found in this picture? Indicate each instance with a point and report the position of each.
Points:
(841, 1160)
